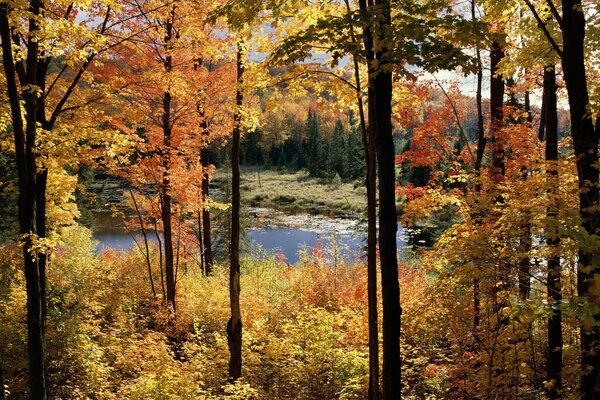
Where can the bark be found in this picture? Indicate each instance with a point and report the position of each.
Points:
(525, 241)
(555, 339)
(166, 198)
(496, 112)
(166, 206)
(585, 143)
(371, 185)
(25, 141)
(207, 241)
(380, 121)
(234, 325)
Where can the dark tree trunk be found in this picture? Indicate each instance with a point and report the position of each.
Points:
(368, 141)
(166, 198)
(496, 112)
(585, 142)
(207, 241)
(166, 205)
(234, 325)
(555, 340)
(380, 121)
(525, 241)
(31, 203)
(25, 141)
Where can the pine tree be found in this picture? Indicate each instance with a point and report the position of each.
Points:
(315, 145)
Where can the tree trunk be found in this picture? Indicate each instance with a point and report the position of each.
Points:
(496, 112)
(481, 143)
(25, 141)
(166, 209)
(525, 241)
(207, 241)
(234, 325)
(555, 340)
(585, 143)
(380, 121)
(368, 141)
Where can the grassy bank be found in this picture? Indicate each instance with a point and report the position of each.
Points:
(295, 191)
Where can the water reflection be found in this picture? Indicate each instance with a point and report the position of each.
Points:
(286, 235)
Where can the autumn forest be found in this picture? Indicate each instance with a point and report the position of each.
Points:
(309, 199)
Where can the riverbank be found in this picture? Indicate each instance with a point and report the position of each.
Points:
(294, 192)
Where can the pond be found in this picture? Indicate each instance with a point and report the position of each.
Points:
(272, 231)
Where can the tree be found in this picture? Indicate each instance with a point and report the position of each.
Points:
(586, 136)
(555, 338)
(234, 325)
(380, 123)
(40, 95)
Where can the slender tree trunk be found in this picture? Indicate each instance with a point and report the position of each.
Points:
(234, 325)
(525, 241)
(481, 143)
(555, 339)
(207, 241)
(166, 209)
(496, 112)
(200, 238)
(371, 186)
(41, 186)
(585, 142)
(380, 113)
(160, 261)
(145, 237)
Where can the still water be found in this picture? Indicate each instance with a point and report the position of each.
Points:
(274, 232)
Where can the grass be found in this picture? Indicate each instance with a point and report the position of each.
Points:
(296, 191)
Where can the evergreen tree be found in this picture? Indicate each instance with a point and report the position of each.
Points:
(354, 162)
(338, 153)
(315, 145)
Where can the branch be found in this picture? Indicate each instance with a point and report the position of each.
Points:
(555, 12)
(317, 71)
(462, 132)
(544, 28)
(11, 82)
(59, 107)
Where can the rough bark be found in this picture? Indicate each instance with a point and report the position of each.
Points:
(555, 339)
(234, 325)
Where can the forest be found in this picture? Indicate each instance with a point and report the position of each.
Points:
(309, 199)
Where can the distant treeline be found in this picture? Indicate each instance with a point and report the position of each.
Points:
(327, 155)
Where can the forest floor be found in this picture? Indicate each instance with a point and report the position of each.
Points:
(297, 192)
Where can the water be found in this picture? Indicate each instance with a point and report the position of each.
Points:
(273, 232)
